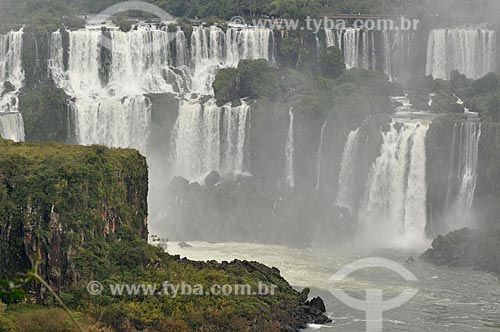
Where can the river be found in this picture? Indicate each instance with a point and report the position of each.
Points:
(449, 299)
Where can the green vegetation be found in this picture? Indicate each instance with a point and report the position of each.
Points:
(331, 62)
(253, 78)
(482, 95)
(227, 86)
(45, 113)
(42, 14)
(57, 198)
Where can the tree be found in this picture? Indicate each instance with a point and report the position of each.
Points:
(331, 62)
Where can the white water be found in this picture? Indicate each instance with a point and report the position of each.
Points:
(212, 49)
(320, 155)
(358, 47)
(346, 178)
(396, 189)
(289, 153)
(463, 175)
(11, 125)
(115, 113)
(362, 48)
(397, 52)
(210, 138)
(470, 51)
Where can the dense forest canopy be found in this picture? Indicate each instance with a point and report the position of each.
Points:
(47, 11)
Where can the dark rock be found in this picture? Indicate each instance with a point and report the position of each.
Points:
(318, 303)
(212, 179)
(184, 245)
(410, 260)
(8, 87)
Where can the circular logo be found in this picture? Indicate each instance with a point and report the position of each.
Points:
(95, 288)
(134, 6)
(374, 305)
(237, 21)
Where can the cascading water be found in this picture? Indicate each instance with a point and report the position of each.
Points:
(110, 107)
(346, 178)
(387, 50)
(12, 126)
(358, 47)
(110, 72)
(330, 38)
(397, 52)
(396, 188)
(470, 51)
(289, 153)
(212, 49)
(320, 155)
(11, 81)
(463, 175)
(207, 137)
(210, 138)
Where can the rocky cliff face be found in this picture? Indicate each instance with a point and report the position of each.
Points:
(56, 200)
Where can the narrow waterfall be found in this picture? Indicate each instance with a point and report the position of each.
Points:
(463, 175)
(470, 51)
(109, 73)
(320, 155)
(396, 189)
(330, 38)
(397, 49)
(12, 126)
(11, 81)
(346, 178)
(289, 153)
(210, 138)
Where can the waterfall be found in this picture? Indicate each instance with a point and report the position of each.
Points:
(12, 126)
(11, 81)
(212, 49)
(396, 188)
(181, 49)
(289, 153)
(463, 174)
(470, 51)
(210, 138)
(388, 51)
(346, 178)
(320, 153)
(109, 84)
(330, 38)
(397, 52)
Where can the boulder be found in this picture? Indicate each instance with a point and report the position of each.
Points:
(212, 179)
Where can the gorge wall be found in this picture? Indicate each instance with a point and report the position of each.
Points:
(307, 158)
(57, 201)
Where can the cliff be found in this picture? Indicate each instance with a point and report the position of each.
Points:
(58, 199)
(81, 214)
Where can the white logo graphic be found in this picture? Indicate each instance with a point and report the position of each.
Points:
(139, 6)
(95, 288)
(374, 305)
